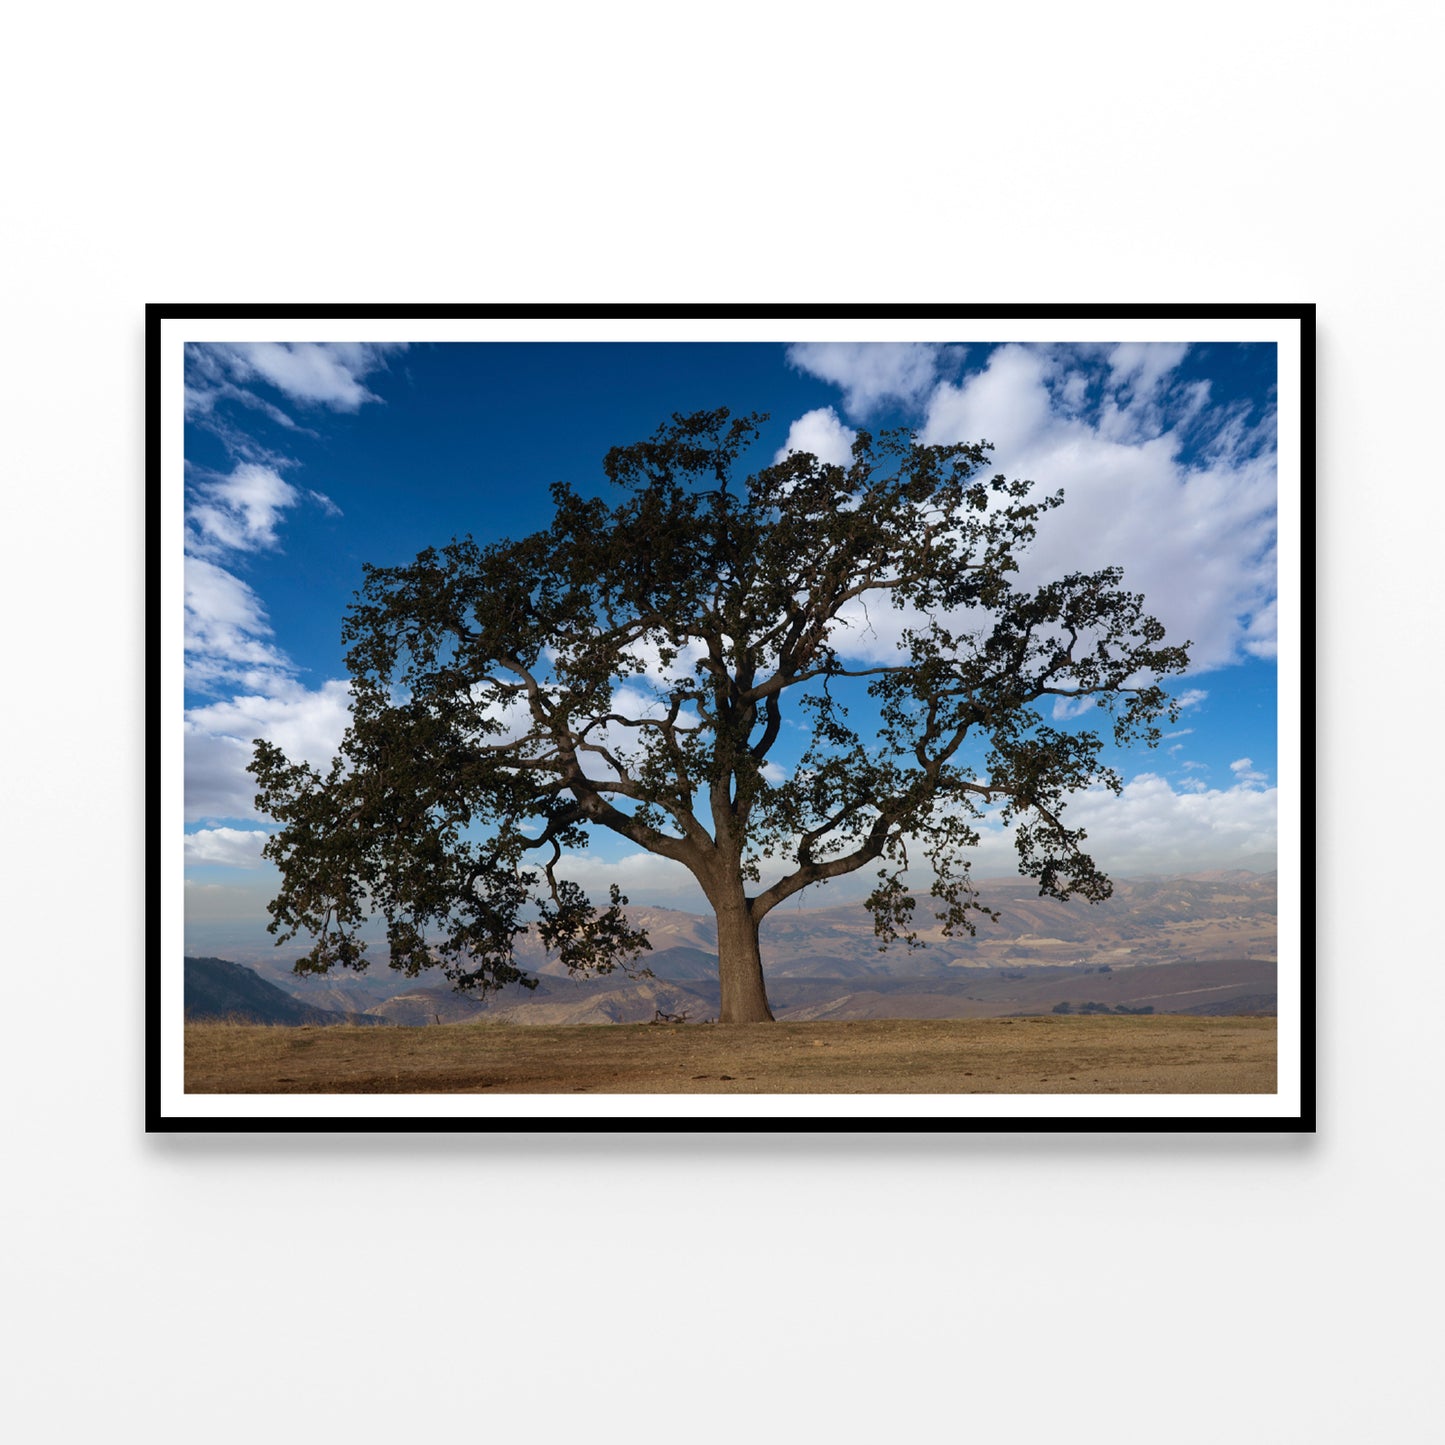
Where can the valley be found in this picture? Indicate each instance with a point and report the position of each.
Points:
(1202, 944)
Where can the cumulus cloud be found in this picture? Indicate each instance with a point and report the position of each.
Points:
(872, 374)
(1112, 426)
(1152, 829)
(307, 724)
(823, 434)
(1198, 538)
(226, 847)
(217, 784)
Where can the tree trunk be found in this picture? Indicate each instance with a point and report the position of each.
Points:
(740, 967)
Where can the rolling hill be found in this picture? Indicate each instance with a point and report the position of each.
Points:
(217, 989)
(1201, 943)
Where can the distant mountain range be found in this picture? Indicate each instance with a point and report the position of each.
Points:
(218, 989)
(1203, 943)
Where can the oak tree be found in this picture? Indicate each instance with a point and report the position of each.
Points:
(631, 669)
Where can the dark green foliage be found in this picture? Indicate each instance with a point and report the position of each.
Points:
(492, 727)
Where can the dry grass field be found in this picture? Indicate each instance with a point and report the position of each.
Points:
(1161, 1054)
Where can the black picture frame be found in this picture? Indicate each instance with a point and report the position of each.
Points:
(168, 1110)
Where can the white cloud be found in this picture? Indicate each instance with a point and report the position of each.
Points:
(1071, 707)
(873, 373)
(643, 877)
(219, 600)
(1152, 828)
(240, 511)
(1261, 635)
(228, 636)
(1007, 403)
(1197, 540)
(220, 738)
(319, 375)
(1190, 697)
(870, 629)
(325, 374)
(227, 847)
(1109, 426)
(1245, 771)
(823, 434)
(1139, 367)
(217, 784)
(645, 659)
(225, 631)
(226, 623)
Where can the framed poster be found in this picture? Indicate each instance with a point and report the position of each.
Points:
(717, 718)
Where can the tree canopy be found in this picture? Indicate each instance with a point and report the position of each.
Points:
(631, 667)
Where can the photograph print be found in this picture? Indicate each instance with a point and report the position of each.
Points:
(867, 718)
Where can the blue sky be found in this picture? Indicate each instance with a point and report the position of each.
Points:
(303, 461)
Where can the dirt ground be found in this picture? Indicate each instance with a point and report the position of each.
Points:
(1053, 1055)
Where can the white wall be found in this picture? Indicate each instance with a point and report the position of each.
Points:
(1090, 1289)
